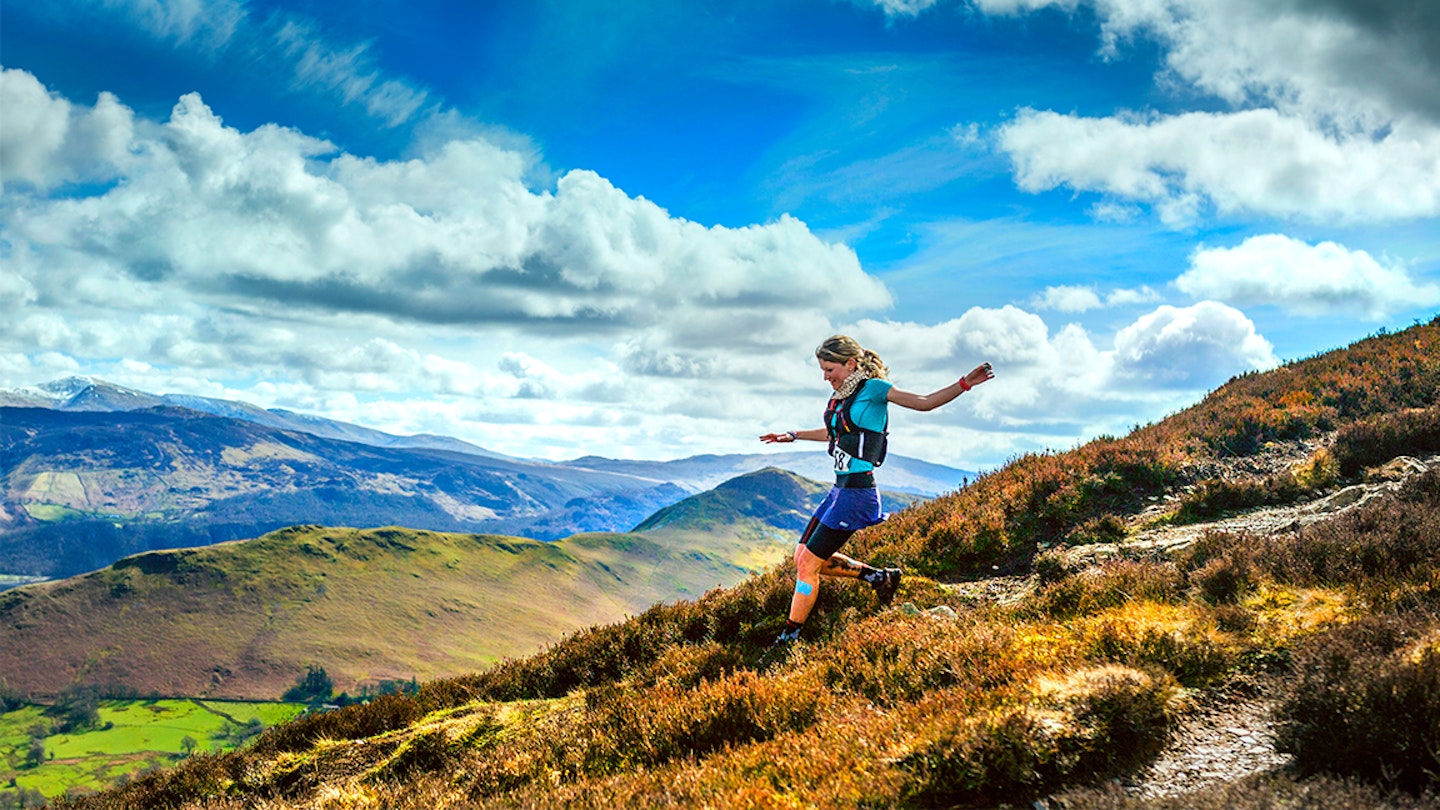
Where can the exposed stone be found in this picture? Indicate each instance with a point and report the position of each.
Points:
(1227, 736)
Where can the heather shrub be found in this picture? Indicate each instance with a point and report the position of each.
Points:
(669, 722)
(1103, 529)
(1387, 547)
(427, 751)
(897, 660)
(1377, 546)
(980, 761)
(593, 656)
(1082, 726)
(1376, 440)
(1317, 472)
(1052, 565)
(844, 761)
(1122, 715)
(1384, 373)
(688, 665)
(618, 728)
(1218, 497)
(1366, 702)
(1211, 546)
(1233, 619)
(385, 713)
(1112, 584)
(745, 614)
(1037, 499)
(1224, 579)
(1162, 638)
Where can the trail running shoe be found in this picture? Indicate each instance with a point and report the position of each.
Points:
(779, 649)
(887, 586)
(785, 637)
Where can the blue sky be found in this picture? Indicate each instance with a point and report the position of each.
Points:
(569, 228)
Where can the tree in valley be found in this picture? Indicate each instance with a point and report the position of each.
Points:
(314, 686)
(35, 753)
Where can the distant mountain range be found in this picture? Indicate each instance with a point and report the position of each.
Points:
(90, 394)
(243, 620)
(91, 472)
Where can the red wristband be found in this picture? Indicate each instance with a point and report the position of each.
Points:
(965, 386)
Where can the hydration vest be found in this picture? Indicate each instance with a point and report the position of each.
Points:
(848, 440)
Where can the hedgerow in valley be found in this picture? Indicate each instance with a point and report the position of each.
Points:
(1080, 679)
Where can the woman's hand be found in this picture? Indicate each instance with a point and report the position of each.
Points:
(778, 438)
(981, 373)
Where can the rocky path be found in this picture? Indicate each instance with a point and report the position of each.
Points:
(1152, 536)
(1228, 734)
(1226, 738)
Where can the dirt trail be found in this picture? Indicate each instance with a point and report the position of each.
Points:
(1228, 734)
(1231, 734)
(1266, 520)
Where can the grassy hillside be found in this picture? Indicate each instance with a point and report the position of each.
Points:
(961, 701)
(242, 619)
(763, 503)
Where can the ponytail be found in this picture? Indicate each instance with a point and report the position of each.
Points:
(843, 349)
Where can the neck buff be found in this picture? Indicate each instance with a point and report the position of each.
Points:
(852, 382)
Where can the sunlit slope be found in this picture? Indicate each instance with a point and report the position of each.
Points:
(243, 619)
(1086, 494)
(978, 690)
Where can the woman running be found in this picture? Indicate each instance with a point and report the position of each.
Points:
(856, 419)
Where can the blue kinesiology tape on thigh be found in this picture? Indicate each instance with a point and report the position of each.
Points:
(804, 588)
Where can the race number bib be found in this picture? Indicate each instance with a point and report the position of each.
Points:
(842, 459)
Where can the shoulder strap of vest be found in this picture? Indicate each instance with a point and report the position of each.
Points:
(841, 409)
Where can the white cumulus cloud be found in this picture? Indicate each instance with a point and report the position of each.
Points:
(1322, 279)
(47, 141)
(1068, 298)
(1333, 114)
(1257, 161)
(274, 218)
(1191, 347)
(452, 279)
(1076, 298)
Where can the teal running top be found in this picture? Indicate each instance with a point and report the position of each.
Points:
(868, 411)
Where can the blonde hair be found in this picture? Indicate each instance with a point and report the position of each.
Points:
(843, 349)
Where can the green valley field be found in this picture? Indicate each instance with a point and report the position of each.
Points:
(132, 736)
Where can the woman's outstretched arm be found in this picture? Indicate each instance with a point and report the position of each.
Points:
(813, 435)
(929, 402)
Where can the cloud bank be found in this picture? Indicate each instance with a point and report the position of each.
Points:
(447, 294)
(1314, 280)
(278, 219)
(1333, 113)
